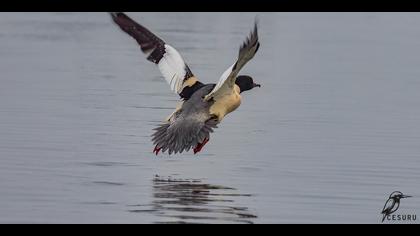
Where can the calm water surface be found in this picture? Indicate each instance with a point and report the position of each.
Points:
(333, 131)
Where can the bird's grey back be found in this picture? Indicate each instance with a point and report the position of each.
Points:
(196, 105)
(191, 125)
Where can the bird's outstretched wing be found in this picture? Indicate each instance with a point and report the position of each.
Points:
(246, 52)
(170, 63)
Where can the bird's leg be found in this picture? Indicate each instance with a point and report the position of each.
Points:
(200, 145)
(156, 150)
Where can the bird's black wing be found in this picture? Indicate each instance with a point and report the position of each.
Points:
(170, 63)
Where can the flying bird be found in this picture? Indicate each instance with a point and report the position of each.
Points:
(203, 106)
(392, 204)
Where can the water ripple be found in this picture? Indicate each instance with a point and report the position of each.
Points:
(192, 201)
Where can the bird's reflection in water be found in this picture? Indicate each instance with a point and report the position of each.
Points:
(192, 201)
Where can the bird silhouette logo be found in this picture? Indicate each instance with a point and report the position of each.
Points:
(392, 204)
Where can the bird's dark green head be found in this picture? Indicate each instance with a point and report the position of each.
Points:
(246, 83)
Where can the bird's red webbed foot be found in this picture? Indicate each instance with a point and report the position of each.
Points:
(156, 150)
(200, 145)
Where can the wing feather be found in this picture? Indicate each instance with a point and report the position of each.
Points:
(169, 61)
(246, 52)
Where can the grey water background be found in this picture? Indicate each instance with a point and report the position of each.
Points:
(333, 131)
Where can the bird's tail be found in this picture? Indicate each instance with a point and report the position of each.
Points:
(384, 216)
(181, 135)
